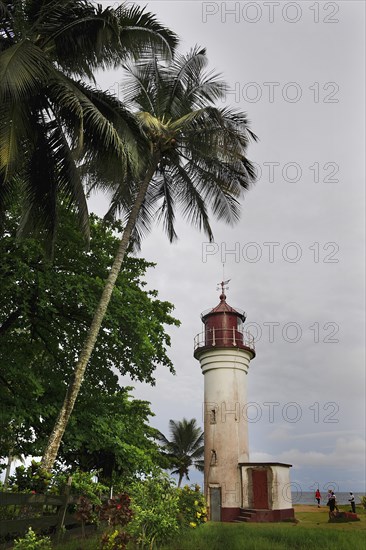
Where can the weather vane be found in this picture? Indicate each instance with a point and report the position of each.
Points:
(223, 283)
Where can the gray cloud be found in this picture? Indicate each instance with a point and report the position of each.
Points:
(322, 292)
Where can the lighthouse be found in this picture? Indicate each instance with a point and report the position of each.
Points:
(235, 488)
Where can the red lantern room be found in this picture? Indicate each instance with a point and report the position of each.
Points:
(223, 328)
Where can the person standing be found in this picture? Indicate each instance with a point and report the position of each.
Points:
(335, 501)
(332, 505)
(318, 497)
(352, 501)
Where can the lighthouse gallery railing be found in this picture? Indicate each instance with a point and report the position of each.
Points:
(224, 337)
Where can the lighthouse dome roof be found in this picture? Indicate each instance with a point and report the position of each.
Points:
(223, 307)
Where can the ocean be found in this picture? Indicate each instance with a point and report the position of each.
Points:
(304, 497)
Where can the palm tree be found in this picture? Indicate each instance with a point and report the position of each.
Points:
(51, 119)
(195, 159)
(185, 447)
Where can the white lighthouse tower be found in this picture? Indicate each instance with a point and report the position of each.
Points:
(234, 487)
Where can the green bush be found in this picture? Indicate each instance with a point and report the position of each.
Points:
(154, 502)
(32, 542)
(32, 479)
(192, 506)
(82, 483)
(115, 541)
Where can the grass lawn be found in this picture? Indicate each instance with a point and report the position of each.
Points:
(311, 531)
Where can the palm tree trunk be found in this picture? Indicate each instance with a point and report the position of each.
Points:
(58, 431)
(180, 480)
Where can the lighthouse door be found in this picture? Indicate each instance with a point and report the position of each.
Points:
(260, 489)
(215, 503)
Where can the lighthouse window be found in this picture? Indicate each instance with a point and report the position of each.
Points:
(213, 458)
(240, 323)
(213, 417)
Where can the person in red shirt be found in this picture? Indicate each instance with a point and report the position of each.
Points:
(318, 497)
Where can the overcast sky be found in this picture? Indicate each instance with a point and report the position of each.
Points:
(296, 258)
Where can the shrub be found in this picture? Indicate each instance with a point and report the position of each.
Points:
(115, 541)
(116, 511)
(32, 479)
(32, 542)
(82, 483)
(154, 502)
(84, 510)
(192, 506)
(363, 501)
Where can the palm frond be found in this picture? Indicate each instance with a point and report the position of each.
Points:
(166, 210)
(112, 129)
(51, 175)
(141, 33)
(80, 36)
(13, 132)
(24, 71)
(192, 203)
(137, 87)
(182, 66)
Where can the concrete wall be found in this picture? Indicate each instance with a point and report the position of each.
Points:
(225, 420)
(279, 488)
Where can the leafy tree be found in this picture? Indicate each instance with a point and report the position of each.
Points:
(45, 311)
(111, 434)
(52, 119)
(185, 447)
(196, 161)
